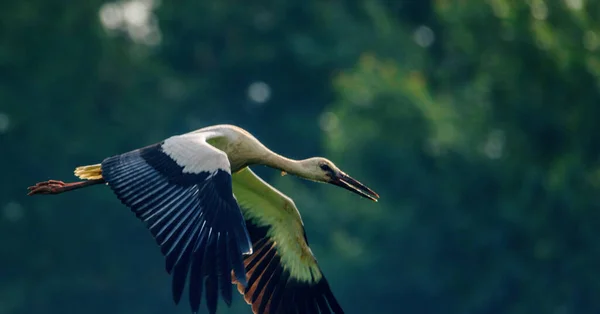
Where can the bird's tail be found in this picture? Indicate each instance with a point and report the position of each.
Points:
(91, 172)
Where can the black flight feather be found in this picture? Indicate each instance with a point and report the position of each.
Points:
(223, 271)
(273, 289)
(193, 217)
(210, 272)
(278, 291)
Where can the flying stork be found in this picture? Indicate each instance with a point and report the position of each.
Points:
(217, 222)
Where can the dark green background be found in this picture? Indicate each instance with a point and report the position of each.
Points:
(474, 120)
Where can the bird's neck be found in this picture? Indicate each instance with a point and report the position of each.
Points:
(285, 164)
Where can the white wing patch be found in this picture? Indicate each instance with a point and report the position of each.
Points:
(192, 153)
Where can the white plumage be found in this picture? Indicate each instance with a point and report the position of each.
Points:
(194, 154)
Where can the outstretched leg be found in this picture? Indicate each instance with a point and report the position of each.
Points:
(57, 187)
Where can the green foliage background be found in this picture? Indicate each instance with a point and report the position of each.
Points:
(474, 120)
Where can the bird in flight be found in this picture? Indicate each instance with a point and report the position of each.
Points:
(217, 223)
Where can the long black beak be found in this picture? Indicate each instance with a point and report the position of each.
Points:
(348, 183)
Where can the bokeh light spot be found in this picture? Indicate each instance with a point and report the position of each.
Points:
(136, 12)
(328, 121)
(111, 16)
(135, 18)
(539, 10)
(574, 4)
(259, 92)
(590, 41)
(424, 36)
(494, 146)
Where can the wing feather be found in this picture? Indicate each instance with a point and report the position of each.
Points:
(223, 269)
(181, 189)
(211, 280)
(282, 274)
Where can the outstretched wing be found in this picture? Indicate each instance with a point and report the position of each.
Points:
(181, 188)
(282, 274)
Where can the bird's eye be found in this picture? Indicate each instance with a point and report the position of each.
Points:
(325, 167)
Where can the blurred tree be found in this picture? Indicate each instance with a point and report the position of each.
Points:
(492, 165)
(474, 120)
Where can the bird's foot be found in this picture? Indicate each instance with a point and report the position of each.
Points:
(47, 187)
(56, 187)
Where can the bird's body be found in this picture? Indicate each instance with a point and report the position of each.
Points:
(217, 222)
(242, 149)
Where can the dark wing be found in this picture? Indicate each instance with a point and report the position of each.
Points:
(181, 188)
(282, 274)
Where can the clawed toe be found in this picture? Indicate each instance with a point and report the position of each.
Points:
(46, 187)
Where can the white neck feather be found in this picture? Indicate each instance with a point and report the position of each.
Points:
(288, 165)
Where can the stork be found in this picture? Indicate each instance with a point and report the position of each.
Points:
(218, 223)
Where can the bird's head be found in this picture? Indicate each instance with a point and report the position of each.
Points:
(323, 170)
